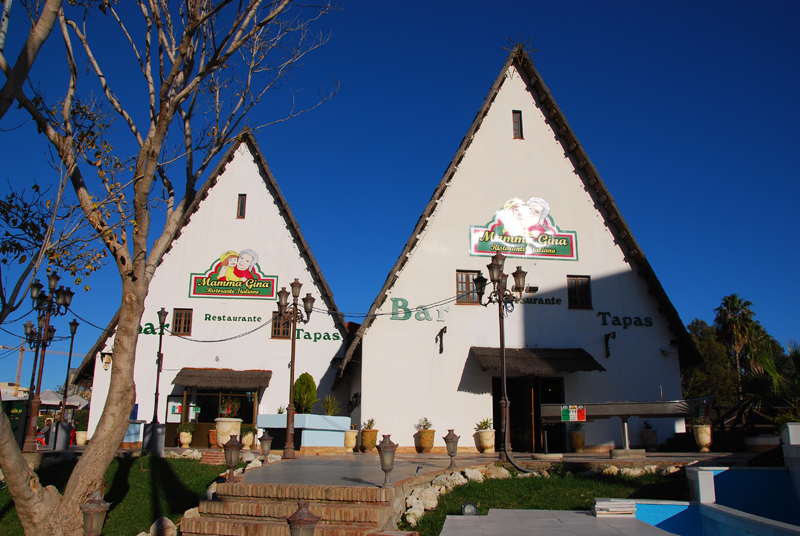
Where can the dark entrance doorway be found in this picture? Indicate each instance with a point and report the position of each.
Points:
(526, 394)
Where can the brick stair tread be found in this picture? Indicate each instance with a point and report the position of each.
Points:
(278, 509)
(302, 492)
(203, 526)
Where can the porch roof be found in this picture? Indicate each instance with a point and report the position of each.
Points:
(214, 378)
(537, 361)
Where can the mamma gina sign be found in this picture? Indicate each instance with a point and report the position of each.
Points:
(524, 229)
(234, 275)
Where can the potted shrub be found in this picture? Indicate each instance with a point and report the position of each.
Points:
(81, 420)
(577, 436)
(649, 437)
(701, 428)
(228, 423)
(350, 438)
(369, 435)
(248, 436)
(423, 439)
(305, 393)
(484, 436)
(185, 430)
(330, 406)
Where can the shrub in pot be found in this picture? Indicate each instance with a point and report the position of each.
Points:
(649, 437)
(701, 428)
(425, 436)
(248, 436)
(305, 393)
(185, 431)
(81, 420)
(369, 435)
(577, 437)
(484, 436)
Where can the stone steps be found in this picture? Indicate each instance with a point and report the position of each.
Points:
(259, 509)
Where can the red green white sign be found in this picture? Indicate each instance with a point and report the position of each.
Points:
(573, 413)
(524, 229)
(234, 275)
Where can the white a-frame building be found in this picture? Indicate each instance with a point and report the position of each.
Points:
(224, 344)
(594, 324)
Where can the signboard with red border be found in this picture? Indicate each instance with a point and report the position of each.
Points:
(523, 229)
(234, 275)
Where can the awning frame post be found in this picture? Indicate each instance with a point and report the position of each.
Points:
(626, 445)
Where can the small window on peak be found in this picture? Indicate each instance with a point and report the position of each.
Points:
(240, 206)
(516, 117)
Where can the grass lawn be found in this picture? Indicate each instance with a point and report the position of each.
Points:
(555, 493)
(140, 490)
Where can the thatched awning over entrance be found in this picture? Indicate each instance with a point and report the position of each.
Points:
(536, 361)
(211, 378)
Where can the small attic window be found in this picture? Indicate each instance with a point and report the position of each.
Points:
(240, 206)
(516, 117)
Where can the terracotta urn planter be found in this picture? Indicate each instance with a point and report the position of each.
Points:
(650, 440)
(247, 440)
(186, 439)
(368, 440)
(702, 436)
(212, 438)
(423, 440)
(350, 440)
(578, 440)
(484, 440)
(226, 427)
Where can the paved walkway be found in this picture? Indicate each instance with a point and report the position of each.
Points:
(365, 469)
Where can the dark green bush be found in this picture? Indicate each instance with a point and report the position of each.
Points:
(305, 393)
(81, 420)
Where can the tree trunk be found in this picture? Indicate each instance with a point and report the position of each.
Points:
(43, 510)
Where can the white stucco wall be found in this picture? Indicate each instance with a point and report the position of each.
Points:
(213, 230)
(405, 378)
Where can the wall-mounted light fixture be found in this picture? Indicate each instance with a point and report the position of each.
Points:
(106, 361)
(609, 336)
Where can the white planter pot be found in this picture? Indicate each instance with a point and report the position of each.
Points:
(702, 436)
(247, 440)
(186, 439)
(226, 427)
(484, 440)
(80, 438)
(350, 440)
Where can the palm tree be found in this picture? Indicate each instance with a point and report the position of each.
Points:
(736, 327)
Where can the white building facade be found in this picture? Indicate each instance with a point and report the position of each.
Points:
(594, 324)
(218, 283)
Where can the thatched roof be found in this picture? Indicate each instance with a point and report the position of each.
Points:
(536, 361)
(688, 353)
(211, 378)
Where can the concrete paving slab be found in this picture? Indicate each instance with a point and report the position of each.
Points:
(521, 522)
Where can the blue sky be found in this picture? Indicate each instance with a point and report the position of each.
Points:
(688, 110)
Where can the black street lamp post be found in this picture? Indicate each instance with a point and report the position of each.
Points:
(46, 305)
(73, 328)
(505, 300)
(63, 428)
(285, 309)
(154, 433)
(162, 318)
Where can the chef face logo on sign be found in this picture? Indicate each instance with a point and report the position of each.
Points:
(234, 275)
(524, 229)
